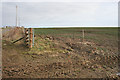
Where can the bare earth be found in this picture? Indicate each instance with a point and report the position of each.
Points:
(61, 57)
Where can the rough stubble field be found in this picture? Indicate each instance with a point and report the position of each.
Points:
(60, 53)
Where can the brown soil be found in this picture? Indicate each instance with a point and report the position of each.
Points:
(80, 60)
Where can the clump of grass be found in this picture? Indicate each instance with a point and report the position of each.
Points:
(43, 46)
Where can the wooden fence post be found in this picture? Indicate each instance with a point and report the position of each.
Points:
(31, 37)
(83, 35)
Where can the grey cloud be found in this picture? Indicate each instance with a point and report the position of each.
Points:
(60, 13)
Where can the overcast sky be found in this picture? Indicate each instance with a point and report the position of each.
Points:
(52, 14)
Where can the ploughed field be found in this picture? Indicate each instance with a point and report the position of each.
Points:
(60, 53)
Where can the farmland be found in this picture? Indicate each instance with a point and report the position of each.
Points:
(60, 53)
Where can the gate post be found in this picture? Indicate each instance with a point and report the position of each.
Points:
(31, 38)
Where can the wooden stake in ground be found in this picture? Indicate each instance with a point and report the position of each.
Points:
(83, 32)
(31, 37)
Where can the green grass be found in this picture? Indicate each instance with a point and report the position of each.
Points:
(43, 46)
(77, 32)
(103, 36)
